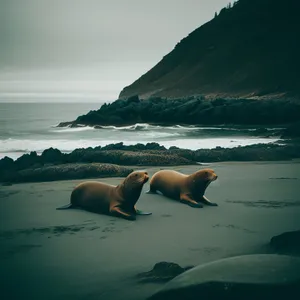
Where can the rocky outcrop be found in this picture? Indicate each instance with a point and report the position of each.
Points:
(52, 164)
(162, 272)
(52, 160)
(259, 152)
(262, 276)
(292, 131)
(64, 172)
(288, 242)
(192, 111)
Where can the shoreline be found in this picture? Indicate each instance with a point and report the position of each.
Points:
(112, 159)
(82, 255)
(73, 124)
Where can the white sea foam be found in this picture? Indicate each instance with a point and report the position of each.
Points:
(137, 126)
(146, 126)
(69, 129)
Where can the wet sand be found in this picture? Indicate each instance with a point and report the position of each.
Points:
(73, 254)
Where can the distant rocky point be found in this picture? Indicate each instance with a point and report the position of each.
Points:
(241, 68)
(191, 111)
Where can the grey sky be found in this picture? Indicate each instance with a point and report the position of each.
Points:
(90, 46)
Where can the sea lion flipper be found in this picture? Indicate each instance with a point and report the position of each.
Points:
(67, 206)
(142, 213)
(118, 212)
(186, 199)
(151, 192)
(208, 202)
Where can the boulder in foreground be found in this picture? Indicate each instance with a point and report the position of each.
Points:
(288, 242)
(162, 272)
(262, 276)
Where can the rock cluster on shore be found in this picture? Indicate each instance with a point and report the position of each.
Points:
(64, 172)
(52, 164)
(287, 243)
(261, 276)
(162, 272)
(48, 172)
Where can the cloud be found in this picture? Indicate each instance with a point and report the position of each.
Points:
(104, 40)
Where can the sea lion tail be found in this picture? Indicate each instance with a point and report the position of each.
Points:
(142, 213)
(67, 206)
(74, 196)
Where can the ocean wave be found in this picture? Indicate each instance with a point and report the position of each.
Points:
(149, 127)
(146, 126)
(27, 145)
(137, 126)
(70, 129)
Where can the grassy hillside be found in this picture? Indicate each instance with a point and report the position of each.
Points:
(250, 49)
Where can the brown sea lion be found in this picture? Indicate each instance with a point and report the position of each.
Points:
(188, 189)
(108, 199)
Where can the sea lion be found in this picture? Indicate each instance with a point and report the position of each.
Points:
(103, 198)
(188, 189)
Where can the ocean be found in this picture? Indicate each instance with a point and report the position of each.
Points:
(26, 127)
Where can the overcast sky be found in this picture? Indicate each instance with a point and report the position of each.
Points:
(89, 48)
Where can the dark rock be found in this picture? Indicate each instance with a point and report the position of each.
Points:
(195, 111)
(154, 146)
(133, 99)
(66, 172)
(117, 146)
(52, 156)
(245, 277)
(6, 163)
(259, 152)
(27, 160)
(142, 158)
(137, 147)
(292, 131)
(151, 154)
(65, 124)
(162, 272)
(288, 242)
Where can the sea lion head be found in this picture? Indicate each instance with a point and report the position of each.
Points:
(202, 178)
(207, 175)
(133, 184)
(135, 180)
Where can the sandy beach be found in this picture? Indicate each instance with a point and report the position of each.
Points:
(73, 254)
